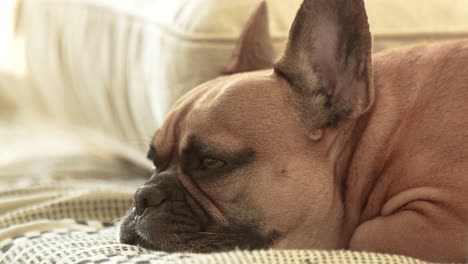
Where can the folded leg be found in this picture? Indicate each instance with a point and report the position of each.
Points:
(425, 231)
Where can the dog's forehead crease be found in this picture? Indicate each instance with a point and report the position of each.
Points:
(234, 89)
(238, 99)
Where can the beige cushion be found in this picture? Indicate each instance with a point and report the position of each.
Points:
(118, 65)
(401, 22)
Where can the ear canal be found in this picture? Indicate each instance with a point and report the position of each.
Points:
(255, 50)
(327, 61)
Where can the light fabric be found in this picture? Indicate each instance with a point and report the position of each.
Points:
(7, 107)
(118, 65)
(65, 209)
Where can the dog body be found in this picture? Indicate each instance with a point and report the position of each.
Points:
(328, 149)
(410, 174)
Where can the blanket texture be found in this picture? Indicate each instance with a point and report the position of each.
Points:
(65, 209)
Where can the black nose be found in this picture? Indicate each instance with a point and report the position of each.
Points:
(158, 191)
(148, 196)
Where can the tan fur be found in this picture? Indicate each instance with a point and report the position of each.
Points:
(412, 180)
(389, 174)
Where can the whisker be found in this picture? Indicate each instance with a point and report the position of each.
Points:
(285, 237)
(177, 237)
(116, 220)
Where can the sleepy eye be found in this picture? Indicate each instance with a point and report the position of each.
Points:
(211, 163)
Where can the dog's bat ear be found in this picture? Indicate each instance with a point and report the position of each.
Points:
(327, 60)
(255, 50)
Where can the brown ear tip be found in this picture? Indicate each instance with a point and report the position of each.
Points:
(262, 7)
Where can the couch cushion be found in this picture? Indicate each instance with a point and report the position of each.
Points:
(118, 65)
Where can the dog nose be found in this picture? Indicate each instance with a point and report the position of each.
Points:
(148, 196)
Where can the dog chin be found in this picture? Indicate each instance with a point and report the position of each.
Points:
(154, 231)
(157, 230)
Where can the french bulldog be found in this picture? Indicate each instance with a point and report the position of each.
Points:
(329, 147)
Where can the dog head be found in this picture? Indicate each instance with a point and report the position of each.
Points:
(252, 159)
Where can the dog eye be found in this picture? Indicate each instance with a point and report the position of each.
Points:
(211, 163)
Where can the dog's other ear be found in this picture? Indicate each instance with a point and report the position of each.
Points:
(255, 50)
(327, 61)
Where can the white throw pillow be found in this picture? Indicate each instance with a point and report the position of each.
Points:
(118, 65)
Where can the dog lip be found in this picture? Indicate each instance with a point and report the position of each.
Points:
(138, 216)
(130, 232)
(142, 242)
(155, 225)
(141, 230)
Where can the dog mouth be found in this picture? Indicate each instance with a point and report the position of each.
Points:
(169, 227)
(161, 231)
(185, 225)
(170, 236)
(172, 227)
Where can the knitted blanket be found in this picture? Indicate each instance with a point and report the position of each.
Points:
(65, 209)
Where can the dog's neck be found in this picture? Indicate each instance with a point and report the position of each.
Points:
(343, 141)
(358, 161)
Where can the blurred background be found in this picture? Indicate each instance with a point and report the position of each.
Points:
(115, 67)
